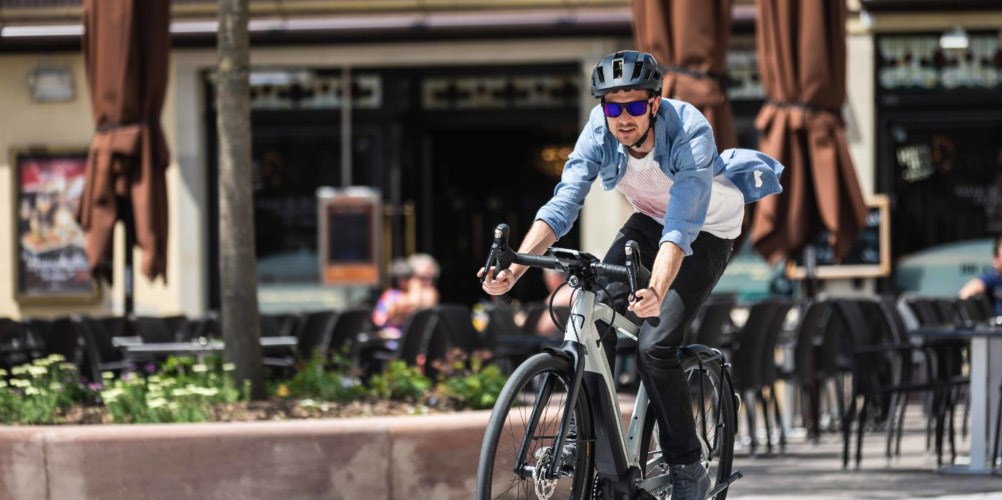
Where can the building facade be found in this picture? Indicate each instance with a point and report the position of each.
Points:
(441, 99)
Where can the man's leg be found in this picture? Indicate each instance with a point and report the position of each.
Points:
(659, 366)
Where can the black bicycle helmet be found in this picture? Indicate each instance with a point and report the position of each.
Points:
(626, 70)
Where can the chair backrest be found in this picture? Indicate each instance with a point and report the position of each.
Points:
(314, 332)
(809, 334)
(500, 324)
(16, 343)
(98, 348)
(176, 325)
(767, 352)
(350, 322)
(63, 338)
(925, 311)
(716, 316)
(417, 335)
(271, 326)
(152, 330)
(747, 354)
(457, 322)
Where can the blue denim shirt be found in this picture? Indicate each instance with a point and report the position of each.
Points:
(685, 150)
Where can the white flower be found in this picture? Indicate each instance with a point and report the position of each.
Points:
(156, 403)
(228, 367)
(3, 383)
(20, 382)
(30, 391)
(55, 386)
(37, 370)
(3, 373)
(199, 368)
(111, 394)
(67, 366)
(19, 370)
(56, 358)
(180, 393)
(307, 403)
(107, 375)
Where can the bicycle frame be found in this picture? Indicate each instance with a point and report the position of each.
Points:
(617, 453)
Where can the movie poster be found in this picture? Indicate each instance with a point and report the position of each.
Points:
(50, 256)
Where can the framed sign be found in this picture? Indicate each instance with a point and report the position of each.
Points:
(50, 262)
(350, 222)
(869, 256)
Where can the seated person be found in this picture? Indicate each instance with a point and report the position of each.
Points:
(989, 283)
(394, 305)
(422, 287)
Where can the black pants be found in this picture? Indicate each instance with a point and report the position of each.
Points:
(658, 365)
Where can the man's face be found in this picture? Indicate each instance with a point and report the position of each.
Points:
(627, 128)
(997, 261)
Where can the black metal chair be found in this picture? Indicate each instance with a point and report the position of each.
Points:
(713, 323)
(100, 355)
(747, 361)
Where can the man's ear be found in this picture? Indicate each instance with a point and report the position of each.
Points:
(656, 104)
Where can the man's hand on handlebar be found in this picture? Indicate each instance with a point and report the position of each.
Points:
(647, 303)
(501, 284)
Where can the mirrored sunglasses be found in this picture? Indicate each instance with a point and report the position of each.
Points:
(635, 108)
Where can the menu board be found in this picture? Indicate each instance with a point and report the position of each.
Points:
(350, 225)
(869, 256)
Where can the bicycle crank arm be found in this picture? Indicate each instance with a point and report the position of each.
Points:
(655, 483)
(724, 484)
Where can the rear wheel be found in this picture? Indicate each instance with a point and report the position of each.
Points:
(539, 386)
(713, 411)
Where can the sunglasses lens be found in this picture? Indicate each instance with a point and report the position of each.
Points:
(612, 109)
(636, 108)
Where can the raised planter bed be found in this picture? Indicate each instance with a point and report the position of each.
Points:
(433, 456)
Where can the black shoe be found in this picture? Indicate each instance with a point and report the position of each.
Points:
(688, 482)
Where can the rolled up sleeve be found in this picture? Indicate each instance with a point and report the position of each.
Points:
(579, 173)
(693, 152)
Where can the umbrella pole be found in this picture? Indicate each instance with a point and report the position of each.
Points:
(810, 276)
(130, 243)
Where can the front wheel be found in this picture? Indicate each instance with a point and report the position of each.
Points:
(518, 444)
(714, 413)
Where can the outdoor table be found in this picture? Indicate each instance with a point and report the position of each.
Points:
(135, 345)
(986, 344)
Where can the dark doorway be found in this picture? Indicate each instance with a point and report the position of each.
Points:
(464, 146)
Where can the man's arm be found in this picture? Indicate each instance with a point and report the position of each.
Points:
(666, 266)
(972, 288)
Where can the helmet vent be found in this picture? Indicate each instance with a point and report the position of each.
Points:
(617, 69)
(637, 69)
(601, 74)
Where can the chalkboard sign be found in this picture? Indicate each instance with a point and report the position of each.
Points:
(350, 224)
(869, 256)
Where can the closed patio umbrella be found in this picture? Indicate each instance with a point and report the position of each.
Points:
(126, 45)
(801, 57)
(690, 39)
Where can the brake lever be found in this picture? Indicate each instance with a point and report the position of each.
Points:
(635, 272)
(499, 246)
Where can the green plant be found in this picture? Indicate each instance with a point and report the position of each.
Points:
(182, 391)
(400, 382)
(474, 384)
(322, 379)
(40, 392)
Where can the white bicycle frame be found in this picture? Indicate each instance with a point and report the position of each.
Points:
(618, 451)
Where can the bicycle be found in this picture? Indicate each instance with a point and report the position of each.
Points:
(596, 459)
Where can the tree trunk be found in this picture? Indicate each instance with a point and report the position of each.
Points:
(240, 324)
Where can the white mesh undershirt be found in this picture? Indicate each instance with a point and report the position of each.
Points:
(647, 188)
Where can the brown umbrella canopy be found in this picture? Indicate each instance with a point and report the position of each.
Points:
(690, 38)
(126, 44)
(801, 58)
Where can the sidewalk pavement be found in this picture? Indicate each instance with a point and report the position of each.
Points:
(815, 471)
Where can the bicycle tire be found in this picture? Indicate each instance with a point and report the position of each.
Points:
(718, 440)
(521, 386)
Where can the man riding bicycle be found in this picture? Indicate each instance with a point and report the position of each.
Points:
(688, 208)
